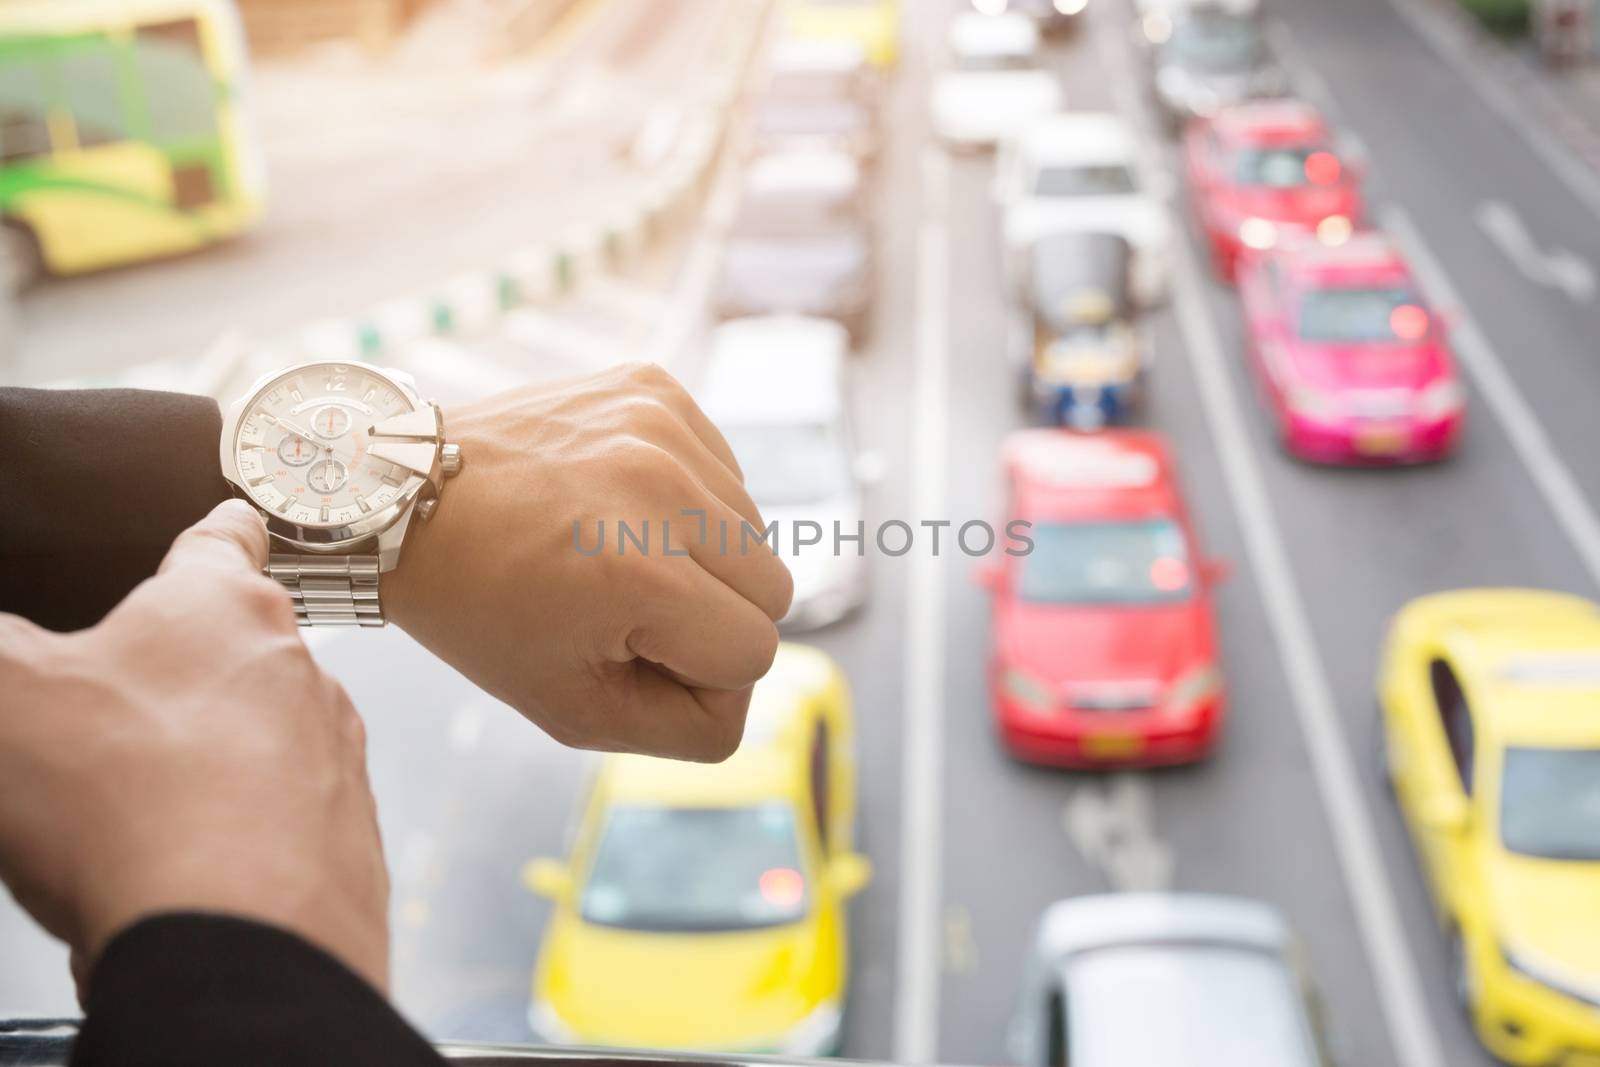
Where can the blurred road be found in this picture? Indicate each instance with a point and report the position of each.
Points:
(1291, 809)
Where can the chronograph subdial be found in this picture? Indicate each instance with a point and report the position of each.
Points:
(328, 476)
(296, 451)
(331, 421)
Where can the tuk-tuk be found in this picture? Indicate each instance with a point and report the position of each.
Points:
(1081, 363)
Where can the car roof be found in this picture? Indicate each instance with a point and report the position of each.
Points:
(775, 368)
(1079, 137)
(802, 171)
(1532, 659)
(1186, 1003)
(1097, 921)
(774, 744)
(1058, 474)
(1009, 34)
(1270, 122)
(1367, 258)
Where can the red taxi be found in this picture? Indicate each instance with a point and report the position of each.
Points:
(1104, 646)
(1264, 172)
(1353, 366)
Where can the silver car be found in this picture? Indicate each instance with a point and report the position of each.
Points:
(1135, 979)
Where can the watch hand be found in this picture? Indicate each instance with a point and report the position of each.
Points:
(298, 432)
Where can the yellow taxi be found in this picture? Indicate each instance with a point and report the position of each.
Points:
(1491, 729)
(703, 907)
(872, 24)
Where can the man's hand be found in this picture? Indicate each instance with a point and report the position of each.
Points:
(188, 754)
(636, 652)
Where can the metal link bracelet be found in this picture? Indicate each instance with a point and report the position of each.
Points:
(330, 590)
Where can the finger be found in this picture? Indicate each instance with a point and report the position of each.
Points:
(232, 536)
(682, 722)
(734, 550)
(704, 632)
(725, 482)
(680, 403)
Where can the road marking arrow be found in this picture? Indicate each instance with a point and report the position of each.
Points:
(1112, 825)
(1555, 269)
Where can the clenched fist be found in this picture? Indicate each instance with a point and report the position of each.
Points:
(645, 651)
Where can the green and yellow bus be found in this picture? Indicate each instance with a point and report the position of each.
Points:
(123, 132)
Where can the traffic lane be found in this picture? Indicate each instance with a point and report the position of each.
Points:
(436, 192)
(1231, 823)
(870, 644)
(1363, 542)
(1440, 151)
(467, 791)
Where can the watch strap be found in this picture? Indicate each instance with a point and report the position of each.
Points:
(330, 590)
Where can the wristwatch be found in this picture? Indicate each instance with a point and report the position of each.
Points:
(338, 458)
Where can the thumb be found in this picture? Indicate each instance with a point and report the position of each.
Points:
(232, 536)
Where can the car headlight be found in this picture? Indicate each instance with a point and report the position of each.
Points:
(548, 1027)
(1334, 230)
(1198, 685)
(1258, 233)
(817, 1035)
(1580, 988)
(1440, 400)
(1312, 403)
(1027, 690)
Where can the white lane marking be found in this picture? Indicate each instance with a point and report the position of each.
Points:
(920, 933)
(1470, 66)
(960, 947)
(1355, 840)
(1556, 269)
(1112, 825)
(1499, 391)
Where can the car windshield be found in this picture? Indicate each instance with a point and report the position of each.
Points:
(675, 870)
(1550, 803)
(1105, 563)
(1286, 168)
(796, 216)
(1363, 316)
(787, 464)
(1115, 179)
(1216, 43)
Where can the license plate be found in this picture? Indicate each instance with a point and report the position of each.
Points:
(1381, 440)
(1112, 745)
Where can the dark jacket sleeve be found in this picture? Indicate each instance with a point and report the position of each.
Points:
(94, 485)
(196, 990)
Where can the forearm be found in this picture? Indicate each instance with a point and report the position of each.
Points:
(196, 989)
(94, 486)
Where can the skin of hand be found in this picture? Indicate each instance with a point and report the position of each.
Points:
(638, 652)
(188, 754)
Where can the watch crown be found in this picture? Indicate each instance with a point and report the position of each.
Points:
(450, 460)
(426, 507)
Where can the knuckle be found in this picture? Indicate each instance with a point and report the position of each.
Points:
(722, 734)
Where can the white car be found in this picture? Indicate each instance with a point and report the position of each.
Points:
(1137, 979)
(775, 386)
(994, 88)
(1083, 172)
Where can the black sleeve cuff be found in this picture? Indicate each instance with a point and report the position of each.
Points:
(208, 990)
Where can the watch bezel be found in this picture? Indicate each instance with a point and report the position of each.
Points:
(320, 539)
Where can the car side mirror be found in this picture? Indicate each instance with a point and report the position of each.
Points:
(990, 575)
(1445, 813)
(548, 878)
(871, 468)
(848, 874)
(1215, 571)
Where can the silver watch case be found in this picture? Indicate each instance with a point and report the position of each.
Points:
(380, 533)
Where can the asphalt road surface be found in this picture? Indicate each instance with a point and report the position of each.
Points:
(968, 845)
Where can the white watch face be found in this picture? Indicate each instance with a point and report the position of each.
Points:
(301, 447)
